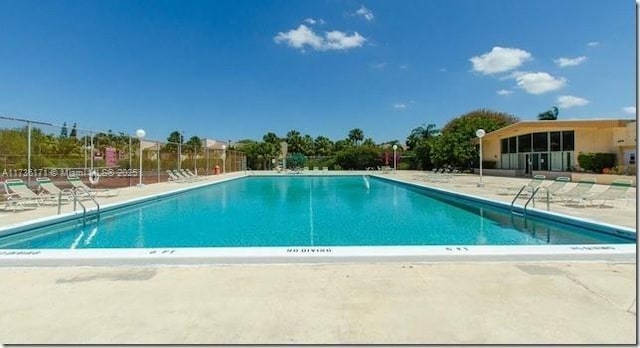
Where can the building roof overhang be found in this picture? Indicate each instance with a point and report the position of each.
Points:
(550, 125)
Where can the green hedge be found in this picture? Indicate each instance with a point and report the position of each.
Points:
(596, 162)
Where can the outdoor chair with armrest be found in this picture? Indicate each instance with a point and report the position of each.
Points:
(558, 184)
(577, 193)
(535, 181)
(80, 187)
(617, 190)
(17, 190)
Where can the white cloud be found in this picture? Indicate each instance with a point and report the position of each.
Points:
(499, 60)
(365, 12)
(568, 101)
(300, 37)
(314, 21)
(504, 92)
(593, 43)
(399, 106)
(562, 61)
(378, 66)
(629, 109)
(539, 82)
(337, 40)
(333, 40)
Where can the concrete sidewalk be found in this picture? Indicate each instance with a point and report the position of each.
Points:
(440, 303)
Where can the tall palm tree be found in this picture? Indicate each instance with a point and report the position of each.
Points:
(271, 138)
(421, 133)
(356, 135)
(323, 146)
(294, 142)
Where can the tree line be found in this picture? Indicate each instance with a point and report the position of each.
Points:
(426, 146)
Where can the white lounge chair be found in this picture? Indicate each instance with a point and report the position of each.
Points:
(49, 187)
(577, 193)
(183, 176)
(14, 204)
(558, 184)
(535, 181)
(18, 191)
(174, 178)
(79, 186)
(617, 190)
(189, 174)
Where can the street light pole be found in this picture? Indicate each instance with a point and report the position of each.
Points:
(224, 159)
(395, 164)
(480, 133)
(140, 133)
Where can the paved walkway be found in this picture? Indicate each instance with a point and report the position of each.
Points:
(436, 303)
(480, 303)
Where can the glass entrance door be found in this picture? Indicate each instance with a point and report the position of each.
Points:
(544, 161)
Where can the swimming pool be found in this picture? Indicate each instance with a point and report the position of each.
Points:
(307, 211)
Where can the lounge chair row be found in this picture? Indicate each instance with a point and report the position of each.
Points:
(578, 195)
(183, 175)
(20, 197)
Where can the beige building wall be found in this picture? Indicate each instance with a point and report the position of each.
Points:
(491, 151)
(594, 140)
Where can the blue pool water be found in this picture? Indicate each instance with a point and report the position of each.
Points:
(304, 211)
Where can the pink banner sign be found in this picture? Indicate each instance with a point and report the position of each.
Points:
(110, 156)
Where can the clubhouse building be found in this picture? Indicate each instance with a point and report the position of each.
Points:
(528, 146)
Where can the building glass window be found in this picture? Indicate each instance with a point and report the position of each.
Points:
(512, 145)
(567, 141)
(540, 142)
(504, 146)
(554, 141)
(524, 143)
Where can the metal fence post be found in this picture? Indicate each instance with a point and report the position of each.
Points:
(158, 160)
(28, 153)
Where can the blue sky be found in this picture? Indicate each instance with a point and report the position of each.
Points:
(238, 69)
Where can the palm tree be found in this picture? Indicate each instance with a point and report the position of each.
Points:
(174, 138)
(368, 142)
(294, 142)
(271, 138)
(421, 133)
(356, 135)
(307, 145)
(323, 146)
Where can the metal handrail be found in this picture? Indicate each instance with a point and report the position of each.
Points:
(532, 198)
(77, 201)
(516, 197)
(92, 198)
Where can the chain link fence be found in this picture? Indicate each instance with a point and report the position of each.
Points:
(31, 149)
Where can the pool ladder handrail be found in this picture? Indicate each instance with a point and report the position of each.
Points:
(533, 195)
(516, 197)
(532, 198)
(76, 201)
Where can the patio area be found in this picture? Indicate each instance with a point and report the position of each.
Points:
(570, 302)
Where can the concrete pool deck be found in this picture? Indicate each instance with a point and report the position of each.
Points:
(367, 302)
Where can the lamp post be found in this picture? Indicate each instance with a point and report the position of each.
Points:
(224, 159)
(140, 133)
(480, 133)
(395, 147)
